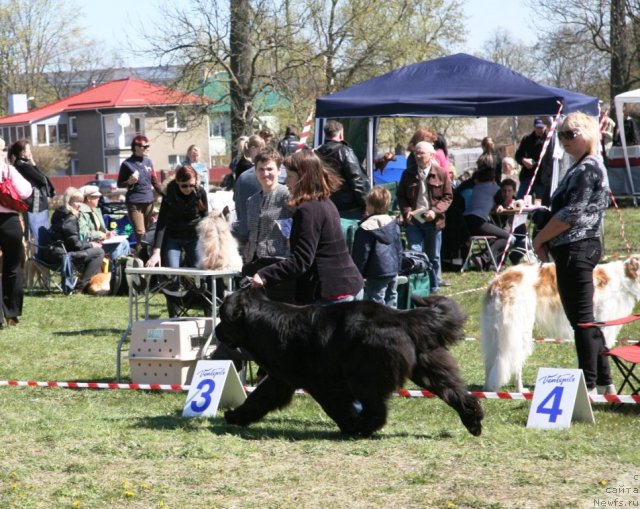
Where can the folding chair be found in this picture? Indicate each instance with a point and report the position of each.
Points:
(525, 249)
(626, 358)
(44, 275)
(478, 245)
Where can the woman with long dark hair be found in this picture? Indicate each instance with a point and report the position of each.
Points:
(183, 206)
(38, 215)
(319, 260)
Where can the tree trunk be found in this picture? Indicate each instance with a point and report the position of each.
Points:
(619, 50)
(240, 63)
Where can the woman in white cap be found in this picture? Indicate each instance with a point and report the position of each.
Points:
(92, 227)
(11, 245)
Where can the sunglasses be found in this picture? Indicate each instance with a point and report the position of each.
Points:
(187, 186)
(143, 146)
(568, 135)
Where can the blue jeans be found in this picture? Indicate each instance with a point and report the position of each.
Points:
(173, 249)
(115, 251)
(536, 189)
(424, 237)
(383, 290)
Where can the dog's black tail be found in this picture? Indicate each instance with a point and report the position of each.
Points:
(446, 319)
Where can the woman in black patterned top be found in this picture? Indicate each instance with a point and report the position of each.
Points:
(572, 236)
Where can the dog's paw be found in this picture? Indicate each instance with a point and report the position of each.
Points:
(472, 418)
(235, 417)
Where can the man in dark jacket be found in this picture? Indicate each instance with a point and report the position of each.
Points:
(340, 157)
(527, 157)
(288, 145)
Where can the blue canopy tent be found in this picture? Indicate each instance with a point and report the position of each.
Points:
(454, 86)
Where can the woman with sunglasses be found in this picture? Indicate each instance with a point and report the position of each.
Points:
(140, 179)
(572, 236)
(183, 206)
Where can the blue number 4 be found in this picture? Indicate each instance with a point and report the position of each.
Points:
(206, 387)
(551, 404)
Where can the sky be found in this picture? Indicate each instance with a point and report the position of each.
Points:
(108, 21)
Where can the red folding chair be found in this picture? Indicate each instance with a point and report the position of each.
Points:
(626, 358)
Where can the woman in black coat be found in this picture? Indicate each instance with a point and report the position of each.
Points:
(86, 256)
(38, 214)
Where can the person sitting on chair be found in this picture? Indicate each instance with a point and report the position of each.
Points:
(504, 199)
(92, 225)
(476, 215)
(86, 255)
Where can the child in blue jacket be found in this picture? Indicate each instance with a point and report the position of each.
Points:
(377, 249)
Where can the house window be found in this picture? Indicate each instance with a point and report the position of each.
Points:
(216, 128)
(74, 165)
(174, 160)
(63, 137)
(53, 134)
(42, 134)
(73, 127)
(21, 132)
(174, 121)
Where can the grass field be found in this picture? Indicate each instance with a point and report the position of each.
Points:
(66, 448)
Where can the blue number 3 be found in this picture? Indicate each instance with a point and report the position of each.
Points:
(206, 387)
(551, 404)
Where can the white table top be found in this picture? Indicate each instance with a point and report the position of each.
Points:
(182, 271)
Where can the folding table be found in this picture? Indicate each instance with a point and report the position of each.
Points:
(155, 279)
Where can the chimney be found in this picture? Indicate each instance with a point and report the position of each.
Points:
(18, 103)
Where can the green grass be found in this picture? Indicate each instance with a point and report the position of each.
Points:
(66, 448)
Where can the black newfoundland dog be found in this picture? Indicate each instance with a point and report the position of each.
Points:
(350, 357)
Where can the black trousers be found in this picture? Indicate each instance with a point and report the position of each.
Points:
(479, 226)
(11, 245)
(574, 273)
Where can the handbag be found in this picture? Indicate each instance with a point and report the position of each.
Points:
(414, 262)
(9, 196)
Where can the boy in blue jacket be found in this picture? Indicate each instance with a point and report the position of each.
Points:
(377, 249)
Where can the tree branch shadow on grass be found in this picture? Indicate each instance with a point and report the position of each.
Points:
(96, 332)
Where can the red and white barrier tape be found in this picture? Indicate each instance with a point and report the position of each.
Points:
(403, 393)
(95, 385)
(619, 342)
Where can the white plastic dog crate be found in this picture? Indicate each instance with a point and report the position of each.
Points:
(166, 351)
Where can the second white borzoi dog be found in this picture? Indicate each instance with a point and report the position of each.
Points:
(527, 294)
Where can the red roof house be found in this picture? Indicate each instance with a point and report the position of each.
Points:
(99, 123)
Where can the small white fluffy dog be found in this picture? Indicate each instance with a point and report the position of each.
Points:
(527, 294)
(217, 246)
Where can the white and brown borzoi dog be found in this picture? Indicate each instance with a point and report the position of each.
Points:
(527, 294)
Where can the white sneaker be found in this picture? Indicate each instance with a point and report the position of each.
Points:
(606, 389)
(592, 392)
